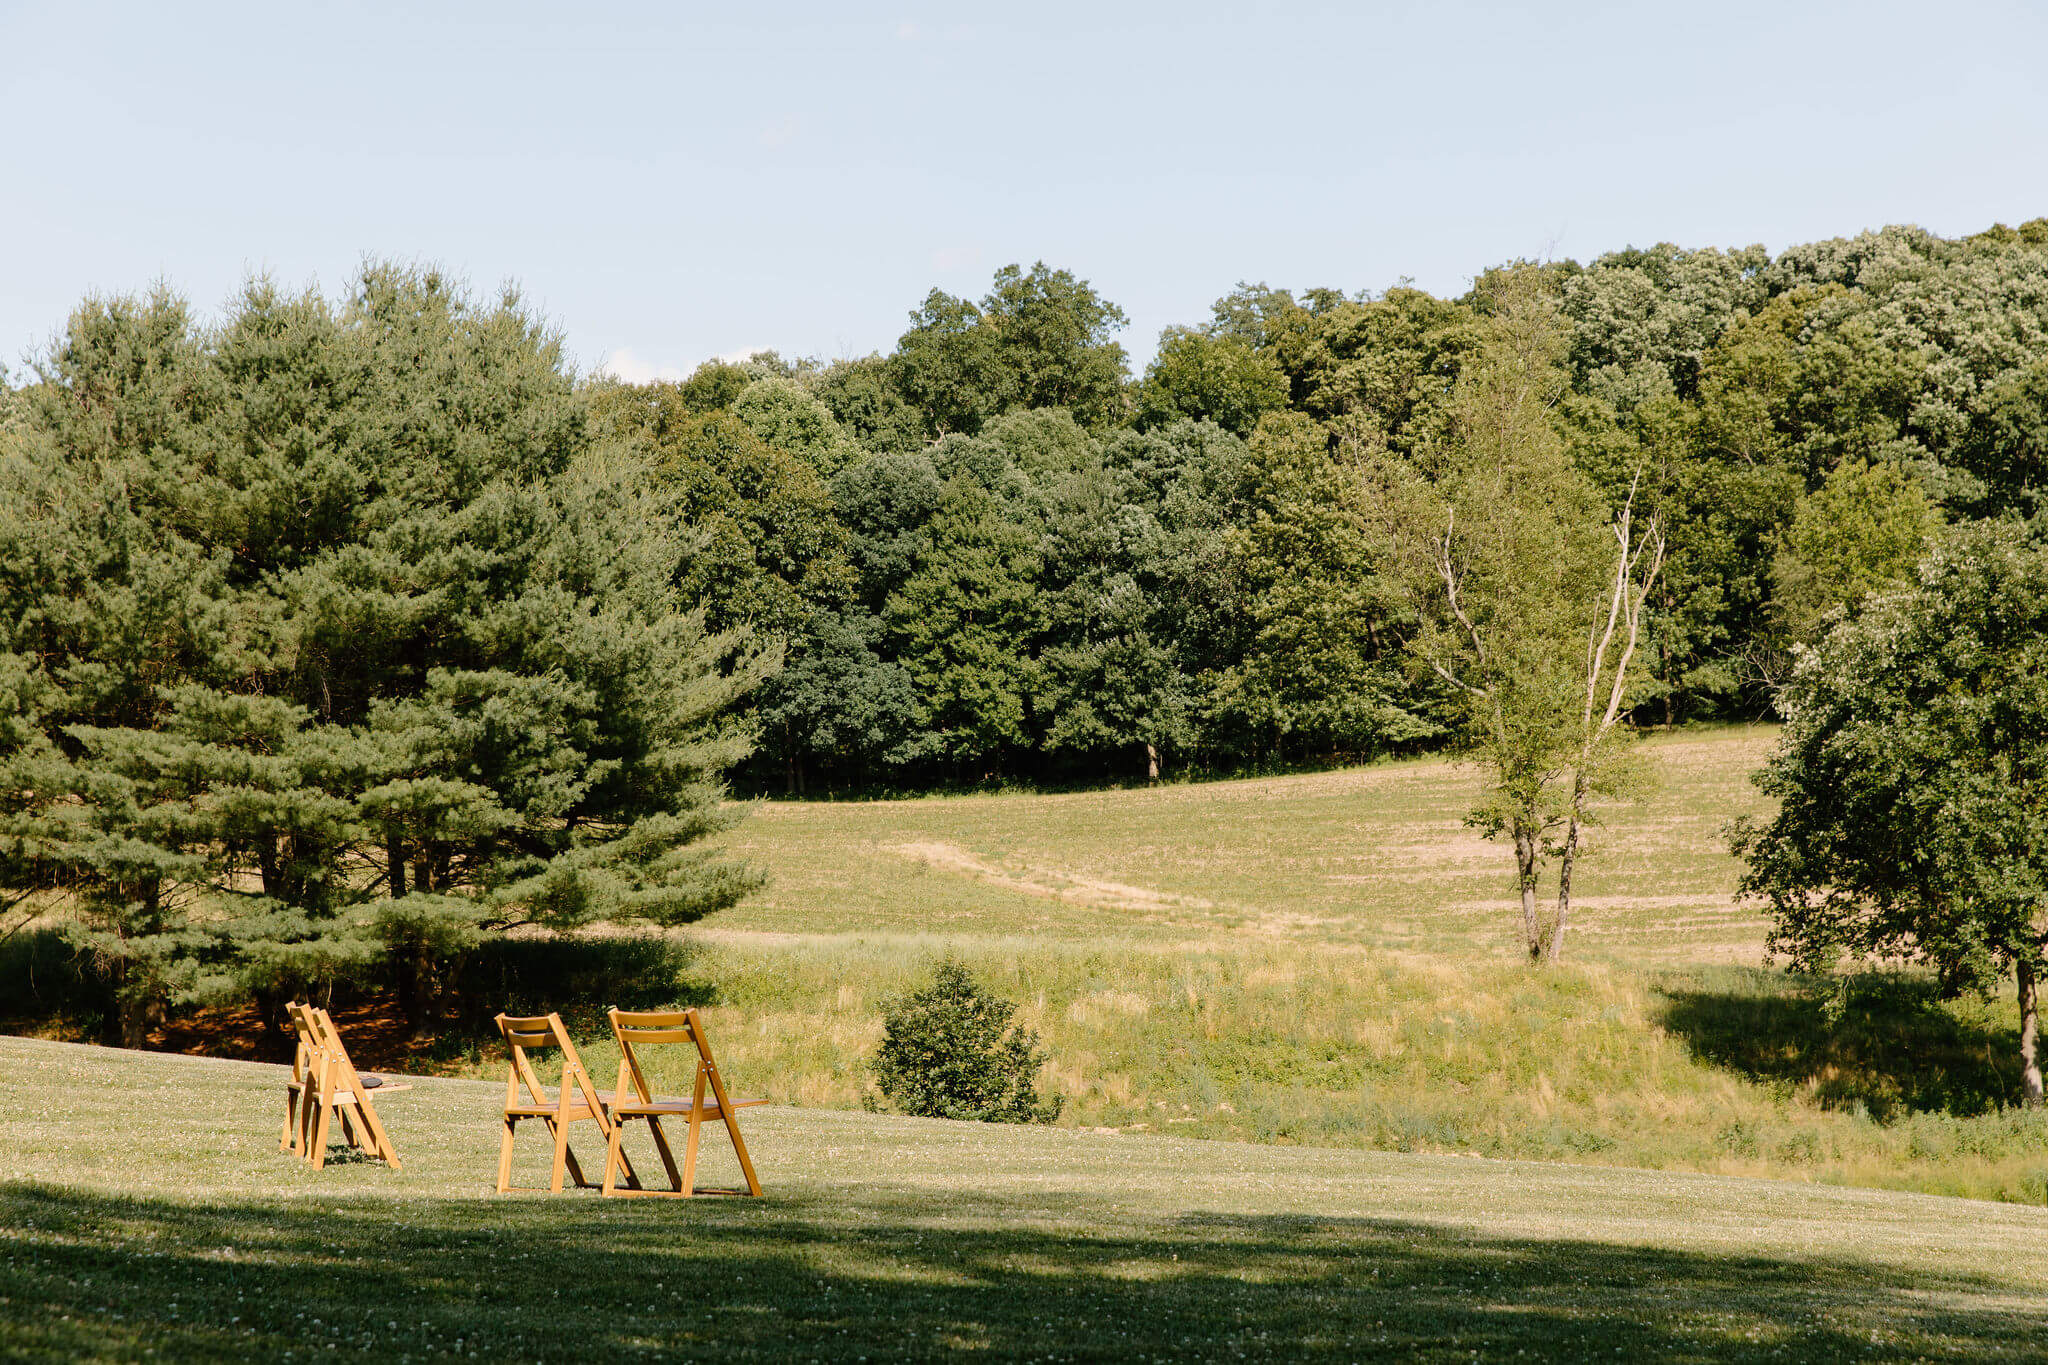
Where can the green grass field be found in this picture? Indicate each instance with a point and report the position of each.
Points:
(148, 1214)
(1372, 857)
(1332, 960)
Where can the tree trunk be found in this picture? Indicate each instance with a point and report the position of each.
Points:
(2030, 1036)
(1151, 762)
(113, 1005)
(274, 1041)
(270, 1009)
(1569, 855)
(140, 1006)
(410, 990)
(1664, 676)
(141, 1011)
(417, 992)
(1525, 874)
(394, 849)
(267, 865)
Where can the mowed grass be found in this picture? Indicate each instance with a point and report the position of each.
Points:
(148, 1213)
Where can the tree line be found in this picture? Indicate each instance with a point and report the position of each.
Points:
(332, 645)
(994, 553)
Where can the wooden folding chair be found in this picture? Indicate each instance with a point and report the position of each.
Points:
(292, 1138)
(674, 1026)
(332, 1084)
(575, 1098)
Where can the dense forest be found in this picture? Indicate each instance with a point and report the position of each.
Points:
(994, 554)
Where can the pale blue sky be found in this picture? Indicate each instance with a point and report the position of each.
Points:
(670, 182)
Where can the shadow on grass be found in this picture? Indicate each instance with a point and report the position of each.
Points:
(1895, 1049)
(584, 1279)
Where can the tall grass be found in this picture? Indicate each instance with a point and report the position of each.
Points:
(1277, 1043)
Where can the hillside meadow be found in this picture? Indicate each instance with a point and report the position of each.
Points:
(1326, 960)
(1332, 960)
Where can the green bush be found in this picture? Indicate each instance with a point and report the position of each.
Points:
(949, 1051)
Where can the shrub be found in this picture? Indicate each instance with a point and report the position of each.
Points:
(949, 1051)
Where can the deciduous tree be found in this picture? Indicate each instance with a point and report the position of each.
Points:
(1504, 552)
(1912, 782)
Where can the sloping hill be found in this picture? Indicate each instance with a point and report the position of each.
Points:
(145, 1208)
(1376, 856)
(1332, 959)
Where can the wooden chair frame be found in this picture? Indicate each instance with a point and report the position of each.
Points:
(675, 1026)
(292, 1139)
(328, 1083)
(575, 1098)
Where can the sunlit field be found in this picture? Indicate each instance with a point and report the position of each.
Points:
(1333, 959)
(1377, 857)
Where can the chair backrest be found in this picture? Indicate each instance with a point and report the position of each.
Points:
(303, 1054)
(329, 1059)
(641, 1028)
(524, 1033)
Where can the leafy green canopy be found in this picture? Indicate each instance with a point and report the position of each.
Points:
(1913, 779)
(1860, 532)
(1038, 339)
(328, 636)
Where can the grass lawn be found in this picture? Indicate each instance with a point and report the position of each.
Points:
(147, 1210)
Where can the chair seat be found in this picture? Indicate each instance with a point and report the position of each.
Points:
(548, 1111)
(665, 1105)
(349, 1096)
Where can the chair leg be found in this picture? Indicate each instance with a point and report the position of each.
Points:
(576, 1167)
(318, 1154)
(561, 1154)
(626, 1167)
(611, 1157)
(291, 1116)
(739, 1147)
(380, 1141)
(668, 1158)
(505, 1155)
(689, 1181)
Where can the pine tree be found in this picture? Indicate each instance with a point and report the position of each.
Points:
(330, 641)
